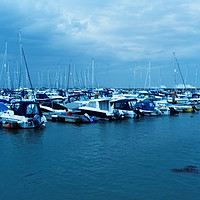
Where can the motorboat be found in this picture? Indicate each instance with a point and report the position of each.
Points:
(146, 108)
(23, 114)
(125, 106)
(100, 107)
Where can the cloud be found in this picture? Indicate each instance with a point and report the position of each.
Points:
(115, 33)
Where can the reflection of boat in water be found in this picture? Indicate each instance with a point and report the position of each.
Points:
(23, 114)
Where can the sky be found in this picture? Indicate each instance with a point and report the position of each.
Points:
(130, 42)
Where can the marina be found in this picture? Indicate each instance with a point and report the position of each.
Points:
(130, 144)
(99, 100)
(121, 159)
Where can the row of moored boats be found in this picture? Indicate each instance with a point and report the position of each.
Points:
(33, 108)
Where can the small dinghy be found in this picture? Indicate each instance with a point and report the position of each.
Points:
(23, 114)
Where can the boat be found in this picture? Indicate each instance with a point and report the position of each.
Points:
(165, 107)
(146, 108)
(70, 117)
(125, 106)
(23, 114)
(100, 107)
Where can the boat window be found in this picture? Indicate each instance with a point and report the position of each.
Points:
(32, 109)
(121, 105)
(104, 105)
(131, 104)
(92, 104)
(144, 105)
(15, 106)
(118, 105)
(151, 105)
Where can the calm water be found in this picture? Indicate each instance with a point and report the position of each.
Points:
(128, 159)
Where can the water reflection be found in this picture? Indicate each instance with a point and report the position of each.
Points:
(18, 137)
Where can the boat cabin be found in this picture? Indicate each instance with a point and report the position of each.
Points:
(26, 108)
(145, 105)
(124, 104)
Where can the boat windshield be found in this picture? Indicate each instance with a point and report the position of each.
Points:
(32, 109)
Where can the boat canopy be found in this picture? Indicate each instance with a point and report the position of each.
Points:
(41, 96)
(3, 107)
(125, 104)
(26, 108)
(145, 105)
(4, 101)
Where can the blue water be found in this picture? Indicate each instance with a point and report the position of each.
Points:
(129, 159)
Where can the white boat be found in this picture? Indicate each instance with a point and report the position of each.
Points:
(23, 114)
(165, 107)
(101, 108)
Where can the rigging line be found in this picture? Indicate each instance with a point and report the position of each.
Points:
(180, 72)
(27, 68)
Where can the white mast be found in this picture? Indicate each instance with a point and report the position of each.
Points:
(175, 72)
(196, 74)
(149, 73)
(8, 76)
(5, 66)
(134, 77)
(39, 86)
(148, 77)
(92, 74)
(85, 79)
(48, 79)
(21, 79)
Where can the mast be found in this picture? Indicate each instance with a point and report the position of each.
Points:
(27, 71)
(134, 77)
(8, 77)
(39, 86)
(85, 79)
(5, 65)
(68, 76)
(5, 71)
(21, 65)
(148, 77)
(175, 72)
(92, 74)
(149, 73)
(48, 79)
(196, 74)
(180, 71)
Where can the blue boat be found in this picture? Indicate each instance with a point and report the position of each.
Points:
(146, 108)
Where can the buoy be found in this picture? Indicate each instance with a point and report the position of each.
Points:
(69, 114)
(96, 96)
(8, 125)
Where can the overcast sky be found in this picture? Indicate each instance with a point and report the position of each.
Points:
(126, 38)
